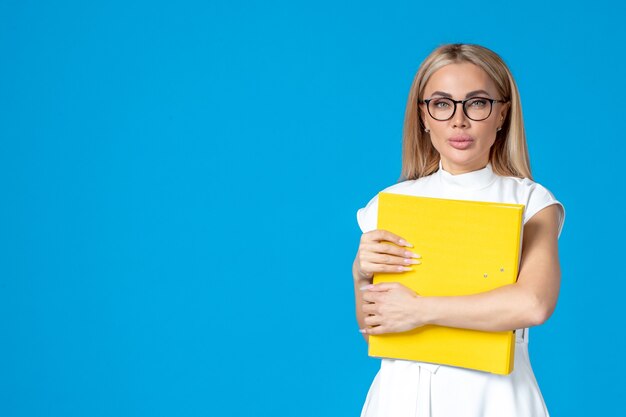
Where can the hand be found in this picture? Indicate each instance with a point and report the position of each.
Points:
(383, 251)
(391, 307)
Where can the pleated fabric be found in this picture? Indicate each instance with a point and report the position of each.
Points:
(417, 389)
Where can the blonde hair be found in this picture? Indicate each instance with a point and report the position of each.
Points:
(508, 155)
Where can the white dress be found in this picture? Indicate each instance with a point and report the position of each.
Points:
(415, 389)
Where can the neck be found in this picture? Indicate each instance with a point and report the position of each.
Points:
(456, 169)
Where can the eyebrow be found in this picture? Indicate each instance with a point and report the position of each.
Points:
(470, 94)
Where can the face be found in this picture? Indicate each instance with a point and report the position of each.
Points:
(463, 143)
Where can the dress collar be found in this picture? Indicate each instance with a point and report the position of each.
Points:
(473, 180)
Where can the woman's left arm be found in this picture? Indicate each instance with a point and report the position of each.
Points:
(528, 302)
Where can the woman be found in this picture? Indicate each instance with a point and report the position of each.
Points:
(463, 139)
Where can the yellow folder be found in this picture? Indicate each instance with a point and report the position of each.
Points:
(467, 247)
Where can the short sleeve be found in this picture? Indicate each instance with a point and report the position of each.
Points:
(367, 217)
(540, 198)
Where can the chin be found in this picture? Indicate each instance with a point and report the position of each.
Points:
(464, 158)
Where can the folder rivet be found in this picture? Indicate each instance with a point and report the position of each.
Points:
(501, 269)
(485, 275)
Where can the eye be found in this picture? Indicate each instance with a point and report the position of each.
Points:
(440, 103)
(478, 103)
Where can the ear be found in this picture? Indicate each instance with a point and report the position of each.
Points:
(503, 112)
(422, 119)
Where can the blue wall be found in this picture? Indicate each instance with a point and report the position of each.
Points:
(179, 182)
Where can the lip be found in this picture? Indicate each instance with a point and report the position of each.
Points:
(461, 141)
(461, 138)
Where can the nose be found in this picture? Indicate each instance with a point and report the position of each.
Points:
(459, 119)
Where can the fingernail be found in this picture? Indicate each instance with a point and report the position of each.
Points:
(405, 243)
(414, 261)
(362, 330)
(409, 254)
(366, 287)
(404, 268)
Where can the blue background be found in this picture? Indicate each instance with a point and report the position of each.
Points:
(179, 186)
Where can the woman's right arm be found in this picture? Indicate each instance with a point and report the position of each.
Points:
(379, 251)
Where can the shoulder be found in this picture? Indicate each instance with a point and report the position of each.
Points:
(367, 216)
(533, 195)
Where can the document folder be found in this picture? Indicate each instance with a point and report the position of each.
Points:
(467, 247)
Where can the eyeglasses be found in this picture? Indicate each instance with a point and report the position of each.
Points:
(475, 108)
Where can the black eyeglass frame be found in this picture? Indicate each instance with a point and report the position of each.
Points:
(490, 100)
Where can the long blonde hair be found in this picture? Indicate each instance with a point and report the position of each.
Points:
(509, 153)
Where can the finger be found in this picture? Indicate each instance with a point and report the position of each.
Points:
(364, 272)
(374, 268)
(367, 269)
(392, 237)
(369, 308)
(387, 248)
(370, 297)
(372, 320)
(380, 258)
(381, 234)
(375, 330)
(370, 262)
(383, 286)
